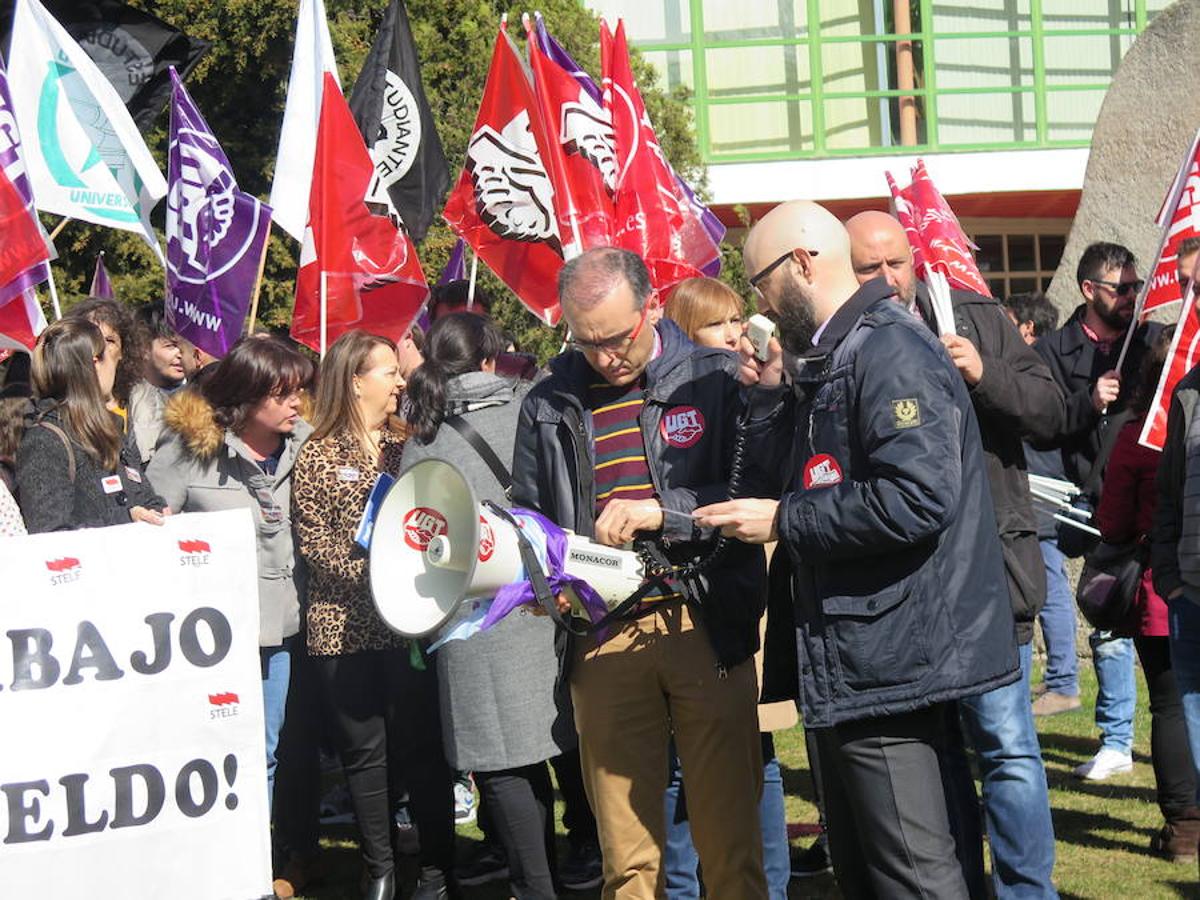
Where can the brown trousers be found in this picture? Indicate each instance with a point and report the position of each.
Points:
(656, 675)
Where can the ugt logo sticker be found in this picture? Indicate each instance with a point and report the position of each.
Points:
(682, 426)
(487, 540)
(64, 570)
(194, 553)
(422, 525)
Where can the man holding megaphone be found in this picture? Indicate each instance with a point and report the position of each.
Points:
(634, 428)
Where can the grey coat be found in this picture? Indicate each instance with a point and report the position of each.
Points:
(500, 708)
(200, 467)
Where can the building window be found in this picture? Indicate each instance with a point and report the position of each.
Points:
(781, 79)
(1019, 255)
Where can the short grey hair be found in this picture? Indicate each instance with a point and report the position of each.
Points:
(590, 277)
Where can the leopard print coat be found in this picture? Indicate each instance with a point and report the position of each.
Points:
(331, 483)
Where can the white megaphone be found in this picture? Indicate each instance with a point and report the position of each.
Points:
(434, 545)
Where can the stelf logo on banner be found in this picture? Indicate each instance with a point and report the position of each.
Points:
(487, 540)
(682, 426)
(64, 570)
(422, 525)
(223, 706)
(194, 553)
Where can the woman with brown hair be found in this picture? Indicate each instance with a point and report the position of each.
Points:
(384, 702)
(74, 468)
(125, 346)
(232, 442)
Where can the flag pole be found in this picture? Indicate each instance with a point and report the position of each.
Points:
(324, 311)
(59, 227)
(471, 283)
(262, 265)
(53, 293)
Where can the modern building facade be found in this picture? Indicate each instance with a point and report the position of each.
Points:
(817, 98)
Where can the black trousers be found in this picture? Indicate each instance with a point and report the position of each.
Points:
(1174, 774)
(297, 808)
(889, 831)
(578, 817)
(386, 725)
(520, 804)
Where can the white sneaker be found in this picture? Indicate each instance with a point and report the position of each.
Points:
(1104, 764)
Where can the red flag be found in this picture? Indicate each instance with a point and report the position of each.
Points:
(21, 321)
(653, 220)
(1181, 359)
(504, 202)
(1179, 219)
(908, 218)
(581, 155)
(373, 279)
(23, 246)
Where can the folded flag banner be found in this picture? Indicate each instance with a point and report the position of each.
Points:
(85, 157)
(101, 287)
(1179, 219)
(389, 105)
(556, 54)
(652, 218)
(133, 49)
(311, 59)
(456, 266)
(357, 270)
(1181, 359)
(504, 204)
(216, 234)
(21, 321)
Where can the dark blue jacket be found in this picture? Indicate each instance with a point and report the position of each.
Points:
(900, 588)
(554, 465)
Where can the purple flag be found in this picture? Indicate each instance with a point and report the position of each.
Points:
(14, 168)
(216, 233)
(101, 286)
(555, 51)
(456, 266)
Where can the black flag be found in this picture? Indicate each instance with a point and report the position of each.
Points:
(133, 49)
(393, 115)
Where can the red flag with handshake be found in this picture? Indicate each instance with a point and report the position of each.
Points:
(1179, 219)
(504, 203)
(357, 270)
(653, 219)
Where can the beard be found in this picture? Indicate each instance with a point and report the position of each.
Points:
(1116, 314)
(795, 318)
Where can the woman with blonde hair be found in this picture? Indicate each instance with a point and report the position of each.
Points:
(75, 469)
(709, 311)
(386, 723)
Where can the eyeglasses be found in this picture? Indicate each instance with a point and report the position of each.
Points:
(756, 279)
(614, 346)
(1123, 288)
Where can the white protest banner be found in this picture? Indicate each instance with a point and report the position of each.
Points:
(131, 701)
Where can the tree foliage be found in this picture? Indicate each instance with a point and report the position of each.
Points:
(241, 86)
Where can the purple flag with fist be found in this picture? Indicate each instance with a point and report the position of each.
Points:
(216, 234)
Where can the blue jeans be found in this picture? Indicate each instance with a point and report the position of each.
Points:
(1183, 616)
(1058, 624)
(999, 724)
(1116, 689)
(276, 673)
(680, 860)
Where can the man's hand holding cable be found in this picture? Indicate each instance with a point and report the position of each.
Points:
(749, 520)
(622, 519)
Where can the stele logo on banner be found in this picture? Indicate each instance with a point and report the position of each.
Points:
(134, 763)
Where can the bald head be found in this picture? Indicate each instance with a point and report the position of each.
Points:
(798, 257)
(879, 249)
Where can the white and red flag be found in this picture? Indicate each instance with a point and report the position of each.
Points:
(1181, 359)
(942, 253)
(21, 321)
(653, 218)
(1179, 219)
(504, 204)
(357, 270)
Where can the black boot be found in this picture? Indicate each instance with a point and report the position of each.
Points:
(432, 884)
(381, 888)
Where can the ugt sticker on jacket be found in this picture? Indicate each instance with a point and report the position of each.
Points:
(134, 762)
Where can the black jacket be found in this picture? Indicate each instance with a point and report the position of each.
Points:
(1174, 543)
(1016, 398)
(50, 501)
(901, 599)
(1076, 364)
(554, 465)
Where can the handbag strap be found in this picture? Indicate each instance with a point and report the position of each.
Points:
(485, 451)
(62, 436)
(1112, 429)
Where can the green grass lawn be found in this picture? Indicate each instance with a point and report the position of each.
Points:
(1103, 829)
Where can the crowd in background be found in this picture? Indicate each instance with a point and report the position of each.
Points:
(114, 419)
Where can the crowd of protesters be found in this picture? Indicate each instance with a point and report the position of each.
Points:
(848, 528)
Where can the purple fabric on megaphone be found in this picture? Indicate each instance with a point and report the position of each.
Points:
(511, 596)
